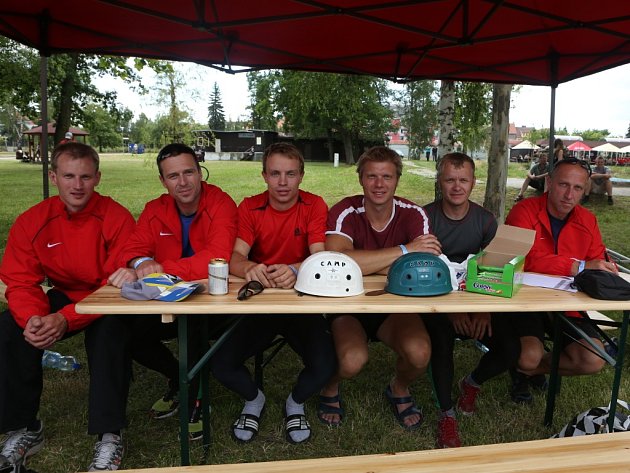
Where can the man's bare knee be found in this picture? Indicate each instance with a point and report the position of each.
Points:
(351, 363)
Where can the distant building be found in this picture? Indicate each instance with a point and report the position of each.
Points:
(398, 139)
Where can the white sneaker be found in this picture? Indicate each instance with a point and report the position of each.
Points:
(108, 453)
(21, 444)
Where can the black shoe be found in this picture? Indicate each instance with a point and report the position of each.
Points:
(520, 388)
(538, 382)
(610, 200)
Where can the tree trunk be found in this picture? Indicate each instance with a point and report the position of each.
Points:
(446, 116)
(331, 145)
(347, 146)
(494, 199)
(65, 104)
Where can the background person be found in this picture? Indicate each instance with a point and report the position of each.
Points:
(178, 233)
(68, 137)
(375, 229)
(73, 240)
(277, 230)
(462, 228)
(535, 177)
(558, 150)
(600, 181)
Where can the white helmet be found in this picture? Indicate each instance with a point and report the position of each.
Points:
(331, 274)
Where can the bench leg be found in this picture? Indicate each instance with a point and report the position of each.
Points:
(618, 370)
(554, 377)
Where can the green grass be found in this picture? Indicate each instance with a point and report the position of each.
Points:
(369, 427)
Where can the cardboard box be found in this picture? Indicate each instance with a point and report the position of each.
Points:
(498, 270)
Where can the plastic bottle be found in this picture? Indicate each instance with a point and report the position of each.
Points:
(52, 359)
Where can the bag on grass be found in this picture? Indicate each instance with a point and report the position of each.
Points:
(595, 421)
(601, 284)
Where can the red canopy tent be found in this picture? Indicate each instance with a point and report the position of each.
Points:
(579, 146)
(520, 41)
(537, 42)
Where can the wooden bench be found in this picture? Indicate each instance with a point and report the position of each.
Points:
(604, 452)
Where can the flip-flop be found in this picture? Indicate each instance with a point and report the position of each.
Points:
(296, 422)
(325, 408)
(247, 422)
(401, 416)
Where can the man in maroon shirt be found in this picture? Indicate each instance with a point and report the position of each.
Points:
(375, 229)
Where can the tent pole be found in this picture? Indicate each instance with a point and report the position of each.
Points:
(552, 124)
(43, 141)
(43, 84)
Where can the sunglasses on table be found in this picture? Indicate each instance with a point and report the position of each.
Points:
(249, 289)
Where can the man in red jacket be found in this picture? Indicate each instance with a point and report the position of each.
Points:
(73, 240)
(177, 233)
(567, 241)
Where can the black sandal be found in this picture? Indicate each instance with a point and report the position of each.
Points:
(296, 422)
(394, 402)
(248, 423)
(325, 408)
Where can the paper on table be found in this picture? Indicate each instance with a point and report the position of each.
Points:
(562, 283)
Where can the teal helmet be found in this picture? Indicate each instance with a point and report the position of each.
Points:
(418, 274)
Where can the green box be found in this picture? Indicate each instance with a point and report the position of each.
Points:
(498, 269)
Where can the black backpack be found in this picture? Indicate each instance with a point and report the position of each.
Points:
(601, 284)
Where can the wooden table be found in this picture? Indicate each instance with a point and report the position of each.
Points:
(587, 454)
(107, 300)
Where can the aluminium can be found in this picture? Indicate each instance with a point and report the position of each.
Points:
(218, 271)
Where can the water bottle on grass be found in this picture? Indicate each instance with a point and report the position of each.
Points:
(52, 359)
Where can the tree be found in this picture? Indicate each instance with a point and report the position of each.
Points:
(104, 128)
(142, 130)
(494, 199)
(70, 87)
(322, 104)
(446, 114)
(472, 113)
(262, 90)
(594, 135)
(420, 113)
(216, 115)
(628, 132)
(174, 126)
(536, 135)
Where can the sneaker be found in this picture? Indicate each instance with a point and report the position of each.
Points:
(21, 444)
(195, 424)
(518, 198)
(467, 397)
(447, 433)
(610, 200)
(520, 388)
(108, 453)
(166, 406)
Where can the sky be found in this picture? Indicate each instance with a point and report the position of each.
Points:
(599, 101)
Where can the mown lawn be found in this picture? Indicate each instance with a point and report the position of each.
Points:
(369, 427)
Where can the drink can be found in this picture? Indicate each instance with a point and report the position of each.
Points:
(218, 270)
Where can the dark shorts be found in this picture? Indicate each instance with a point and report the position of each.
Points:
(538, 184)
(570, 335)
(370, 323)
(523, 324)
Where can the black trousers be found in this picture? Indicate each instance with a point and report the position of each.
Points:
(148, 333)
(504, 350)
(308, 335)
(21, 384)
